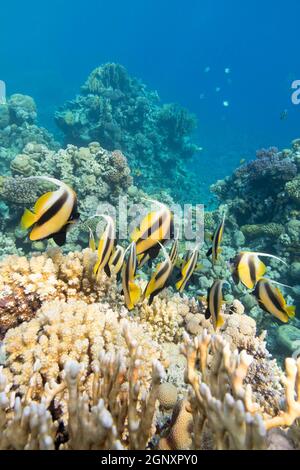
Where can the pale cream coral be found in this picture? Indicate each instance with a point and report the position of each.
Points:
(167, 395)
(164, 317)
(68, 330)
(56, 276)
(118, 413)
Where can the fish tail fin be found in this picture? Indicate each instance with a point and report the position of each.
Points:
(28, 219)
(291, 311)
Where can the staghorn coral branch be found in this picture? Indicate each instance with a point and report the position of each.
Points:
(292, 389)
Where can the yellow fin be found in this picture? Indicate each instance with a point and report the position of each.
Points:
(220, 322)
(96, 267)
(135, 235)
(243, 273)
(92, 244)
(179, 284)
(280, 297)
(40, 203)
(28, 219)
(135, 292)
(291, 311)
(261, 270)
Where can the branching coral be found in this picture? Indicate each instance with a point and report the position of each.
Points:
(220, 402)
(118, 412)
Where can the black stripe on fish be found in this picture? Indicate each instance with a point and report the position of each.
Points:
(108, 241)
(216, 297)
(107, 270)
(192, 265)
(209, 252)
(60, 237)
(207, 311)
(252, 269)
(152, 228)
(118, 256)
(162, 271)
(53, 209)
(273, 297)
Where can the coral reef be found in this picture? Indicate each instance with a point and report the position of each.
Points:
(117, 413)
(18, 126)
(261, 199)
(122, 113)
(221, 411)
(96, 174)
(81, 372)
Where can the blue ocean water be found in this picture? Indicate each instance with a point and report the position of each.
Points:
(181, 49)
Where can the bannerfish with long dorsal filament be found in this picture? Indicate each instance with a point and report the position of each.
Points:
(156, 227)
(248, 268)
(92, 243)
(215, 249)
(54, 212)
(116, 260)
(188, 269)
(106, 245)
(215, 302)
(161, 275)
(131, 291)
(272, 301)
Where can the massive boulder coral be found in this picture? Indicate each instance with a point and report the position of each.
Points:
(120, 112)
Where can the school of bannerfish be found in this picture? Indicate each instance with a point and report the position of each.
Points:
(55, 212)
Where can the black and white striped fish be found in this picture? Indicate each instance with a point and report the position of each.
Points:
(162, 273)
(53, 213)
(272, 301)
(248, 268)
(214, 304)
(131, 291)
(188, 269)
(215, 249)
(106, 244)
